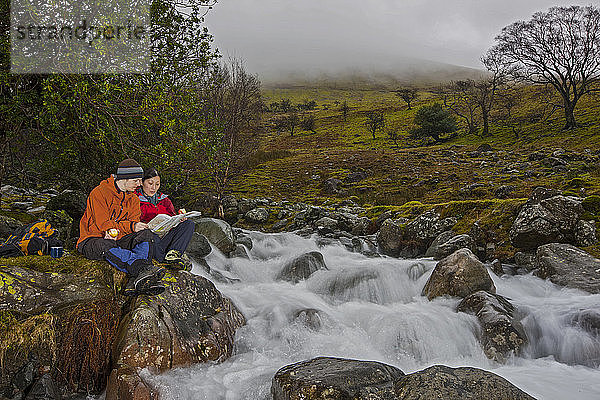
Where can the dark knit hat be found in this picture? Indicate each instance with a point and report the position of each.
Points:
(129, 169)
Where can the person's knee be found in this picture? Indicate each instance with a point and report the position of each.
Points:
(187, 225)
(146, 235)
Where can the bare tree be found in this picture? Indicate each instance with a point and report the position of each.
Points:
(308, 123)
(463, 102)
(375, 121)
(231, 102)
(407, 94)
(560, 47)
(345, 109)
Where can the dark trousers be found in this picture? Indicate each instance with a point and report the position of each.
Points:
(129, 254)
(177, 238)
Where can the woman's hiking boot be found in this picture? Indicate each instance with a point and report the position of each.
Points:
(178, 261)
(147, 282)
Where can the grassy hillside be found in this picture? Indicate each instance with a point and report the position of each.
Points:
(294, 168)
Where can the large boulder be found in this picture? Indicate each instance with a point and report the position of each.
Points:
(585, 233)
(257, 215)
(502, 334)
(390, 237)
(566, 265)
(217, 231)
(302, 267)
(426, 227)
(451, 245)
(335, 379)
(199, 247)
(460, 274)
(550, 220)
(56, 315)
(191, 322)
(465, 383)
(440, 239)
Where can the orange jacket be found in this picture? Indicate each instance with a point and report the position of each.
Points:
(108, 207)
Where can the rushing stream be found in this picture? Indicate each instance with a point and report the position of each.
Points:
(371, 309)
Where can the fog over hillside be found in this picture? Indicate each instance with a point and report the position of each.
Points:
(381, 40)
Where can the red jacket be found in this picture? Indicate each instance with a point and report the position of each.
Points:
(149, 210)
(108, 207)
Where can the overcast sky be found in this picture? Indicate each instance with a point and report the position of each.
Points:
(275, 35)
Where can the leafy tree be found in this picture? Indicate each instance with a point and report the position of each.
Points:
(407, 94)
(559, 47)
(433, 121)
(375, 122)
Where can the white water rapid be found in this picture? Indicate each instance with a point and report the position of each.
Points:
(372, 309)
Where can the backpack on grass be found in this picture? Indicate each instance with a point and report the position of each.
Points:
(32, 239)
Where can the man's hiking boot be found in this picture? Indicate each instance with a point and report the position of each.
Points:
(147, 282)
(178, 261)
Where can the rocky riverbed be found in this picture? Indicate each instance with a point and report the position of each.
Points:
(87, 338)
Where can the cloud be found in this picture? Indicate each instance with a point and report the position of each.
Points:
(274, 35)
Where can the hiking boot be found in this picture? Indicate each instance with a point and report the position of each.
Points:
(146, 282)
(178, 261)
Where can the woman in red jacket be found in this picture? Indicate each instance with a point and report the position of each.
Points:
(171, 247)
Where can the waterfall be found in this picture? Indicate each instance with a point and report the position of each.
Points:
(372, 309)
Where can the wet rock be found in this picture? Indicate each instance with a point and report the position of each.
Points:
(451, 245)
(199, 247)
(440, 239)
(191, 322)
(335, 379)
(279, 225)
(258, 215)
(239, 252)
(586, 320)
(360, 226)
(465, 383)
(244, 240)
(327, 222)
(502, 334)
(525, 260)
(497, 267)
(551, 220)
(364, 246)
(460, 274)
(217, 231)
(302, 267)
(566, 265)
(585, 233)
(309, 317)
(416, 270)
(389, 238)
(427, 226)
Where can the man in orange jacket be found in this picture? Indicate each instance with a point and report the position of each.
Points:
(110, 230)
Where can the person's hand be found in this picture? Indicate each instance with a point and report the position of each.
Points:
(109, 236)
(139, 226)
